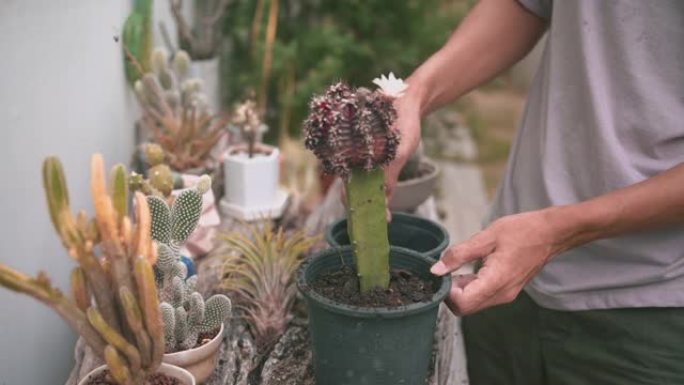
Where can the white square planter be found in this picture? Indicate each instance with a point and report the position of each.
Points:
(251, 185)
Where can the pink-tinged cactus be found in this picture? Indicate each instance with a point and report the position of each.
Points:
(351, 128)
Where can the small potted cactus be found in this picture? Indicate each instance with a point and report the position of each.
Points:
(251, 170)
(114, 305)
(193, 327)
(374, 322)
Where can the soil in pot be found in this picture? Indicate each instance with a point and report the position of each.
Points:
(103, 378)
(405, 288)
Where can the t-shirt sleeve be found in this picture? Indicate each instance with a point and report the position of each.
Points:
(541, 8)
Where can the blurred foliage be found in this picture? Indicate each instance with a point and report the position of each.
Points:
(320, 41)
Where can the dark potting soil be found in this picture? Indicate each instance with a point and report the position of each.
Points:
(342, 286)
(103, 378)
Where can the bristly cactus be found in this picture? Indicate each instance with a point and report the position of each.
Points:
(351, 131)
(176, 112)
(184, 311)
(114, 305)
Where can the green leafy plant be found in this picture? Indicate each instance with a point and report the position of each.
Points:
(350, 131)
(176, 113)
(185, 313)
(114, 304)
(260, 271)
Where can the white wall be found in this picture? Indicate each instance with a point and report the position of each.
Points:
(62, 91)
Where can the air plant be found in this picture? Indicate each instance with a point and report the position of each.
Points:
(351, 131)
(114, 304)
(248, 124)
(176, 112)
(201, 40)
(260, 271)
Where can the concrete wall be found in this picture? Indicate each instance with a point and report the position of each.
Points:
(62, 91)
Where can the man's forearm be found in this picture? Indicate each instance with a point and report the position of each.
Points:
(653, 203)
(494, 36)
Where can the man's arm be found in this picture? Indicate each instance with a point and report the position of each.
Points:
(516, 247)
(494, 35)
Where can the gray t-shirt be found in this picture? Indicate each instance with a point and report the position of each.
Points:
(605, 111)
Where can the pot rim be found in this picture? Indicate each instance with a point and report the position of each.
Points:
(266, 150)
(162, 366)
(198, 350)
(330, 236)
(365, 311)
(423, 178)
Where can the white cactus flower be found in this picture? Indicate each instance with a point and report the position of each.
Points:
(390, 85)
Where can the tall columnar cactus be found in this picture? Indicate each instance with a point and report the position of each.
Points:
(176, 112)
(184, 310)
(350, 131)
(114, 304)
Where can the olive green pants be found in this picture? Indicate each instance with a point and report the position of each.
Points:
(522, 343)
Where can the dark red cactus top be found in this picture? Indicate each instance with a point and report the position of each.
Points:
(351, 128)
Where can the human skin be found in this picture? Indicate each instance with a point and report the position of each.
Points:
(494, 36)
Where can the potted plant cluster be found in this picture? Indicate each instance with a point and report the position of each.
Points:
(200, 37)
(113, 304)
(372, 307)
(251, 170)
(417, 180)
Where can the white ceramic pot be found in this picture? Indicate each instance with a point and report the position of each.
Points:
(409, 194)
(251, 182)
(200, 361)
(208, 71)
(173, 371)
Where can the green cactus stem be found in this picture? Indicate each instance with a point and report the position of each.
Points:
(367, 227)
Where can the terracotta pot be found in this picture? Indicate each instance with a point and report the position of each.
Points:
(409, 194)
(200, 361)
(173, 371)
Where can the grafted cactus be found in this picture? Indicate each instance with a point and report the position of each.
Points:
(114, 304)
(176, 112)
(350, 131)
(184, 310)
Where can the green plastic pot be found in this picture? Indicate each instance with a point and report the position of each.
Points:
(371, 346)
(408, 231)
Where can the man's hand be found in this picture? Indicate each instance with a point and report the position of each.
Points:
(408, 124)
(514, 249)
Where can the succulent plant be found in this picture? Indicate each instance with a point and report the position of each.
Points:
(136, 40)
(114, 305)
(184, 310)
(260, 271)
(351, 131)
(176, 112)
(247, 123)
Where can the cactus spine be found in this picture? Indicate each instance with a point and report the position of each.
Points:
(114, 304)
(184, 311)
(350, 131)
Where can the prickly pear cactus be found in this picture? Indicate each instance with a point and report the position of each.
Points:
(184, 311)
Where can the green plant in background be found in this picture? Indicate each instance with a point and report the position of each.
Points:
(317, 42)
(114, 305)
(350, 131)
(201, 38)
(260, 271)
(184, 311)
(176, 113)
(136, 39)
